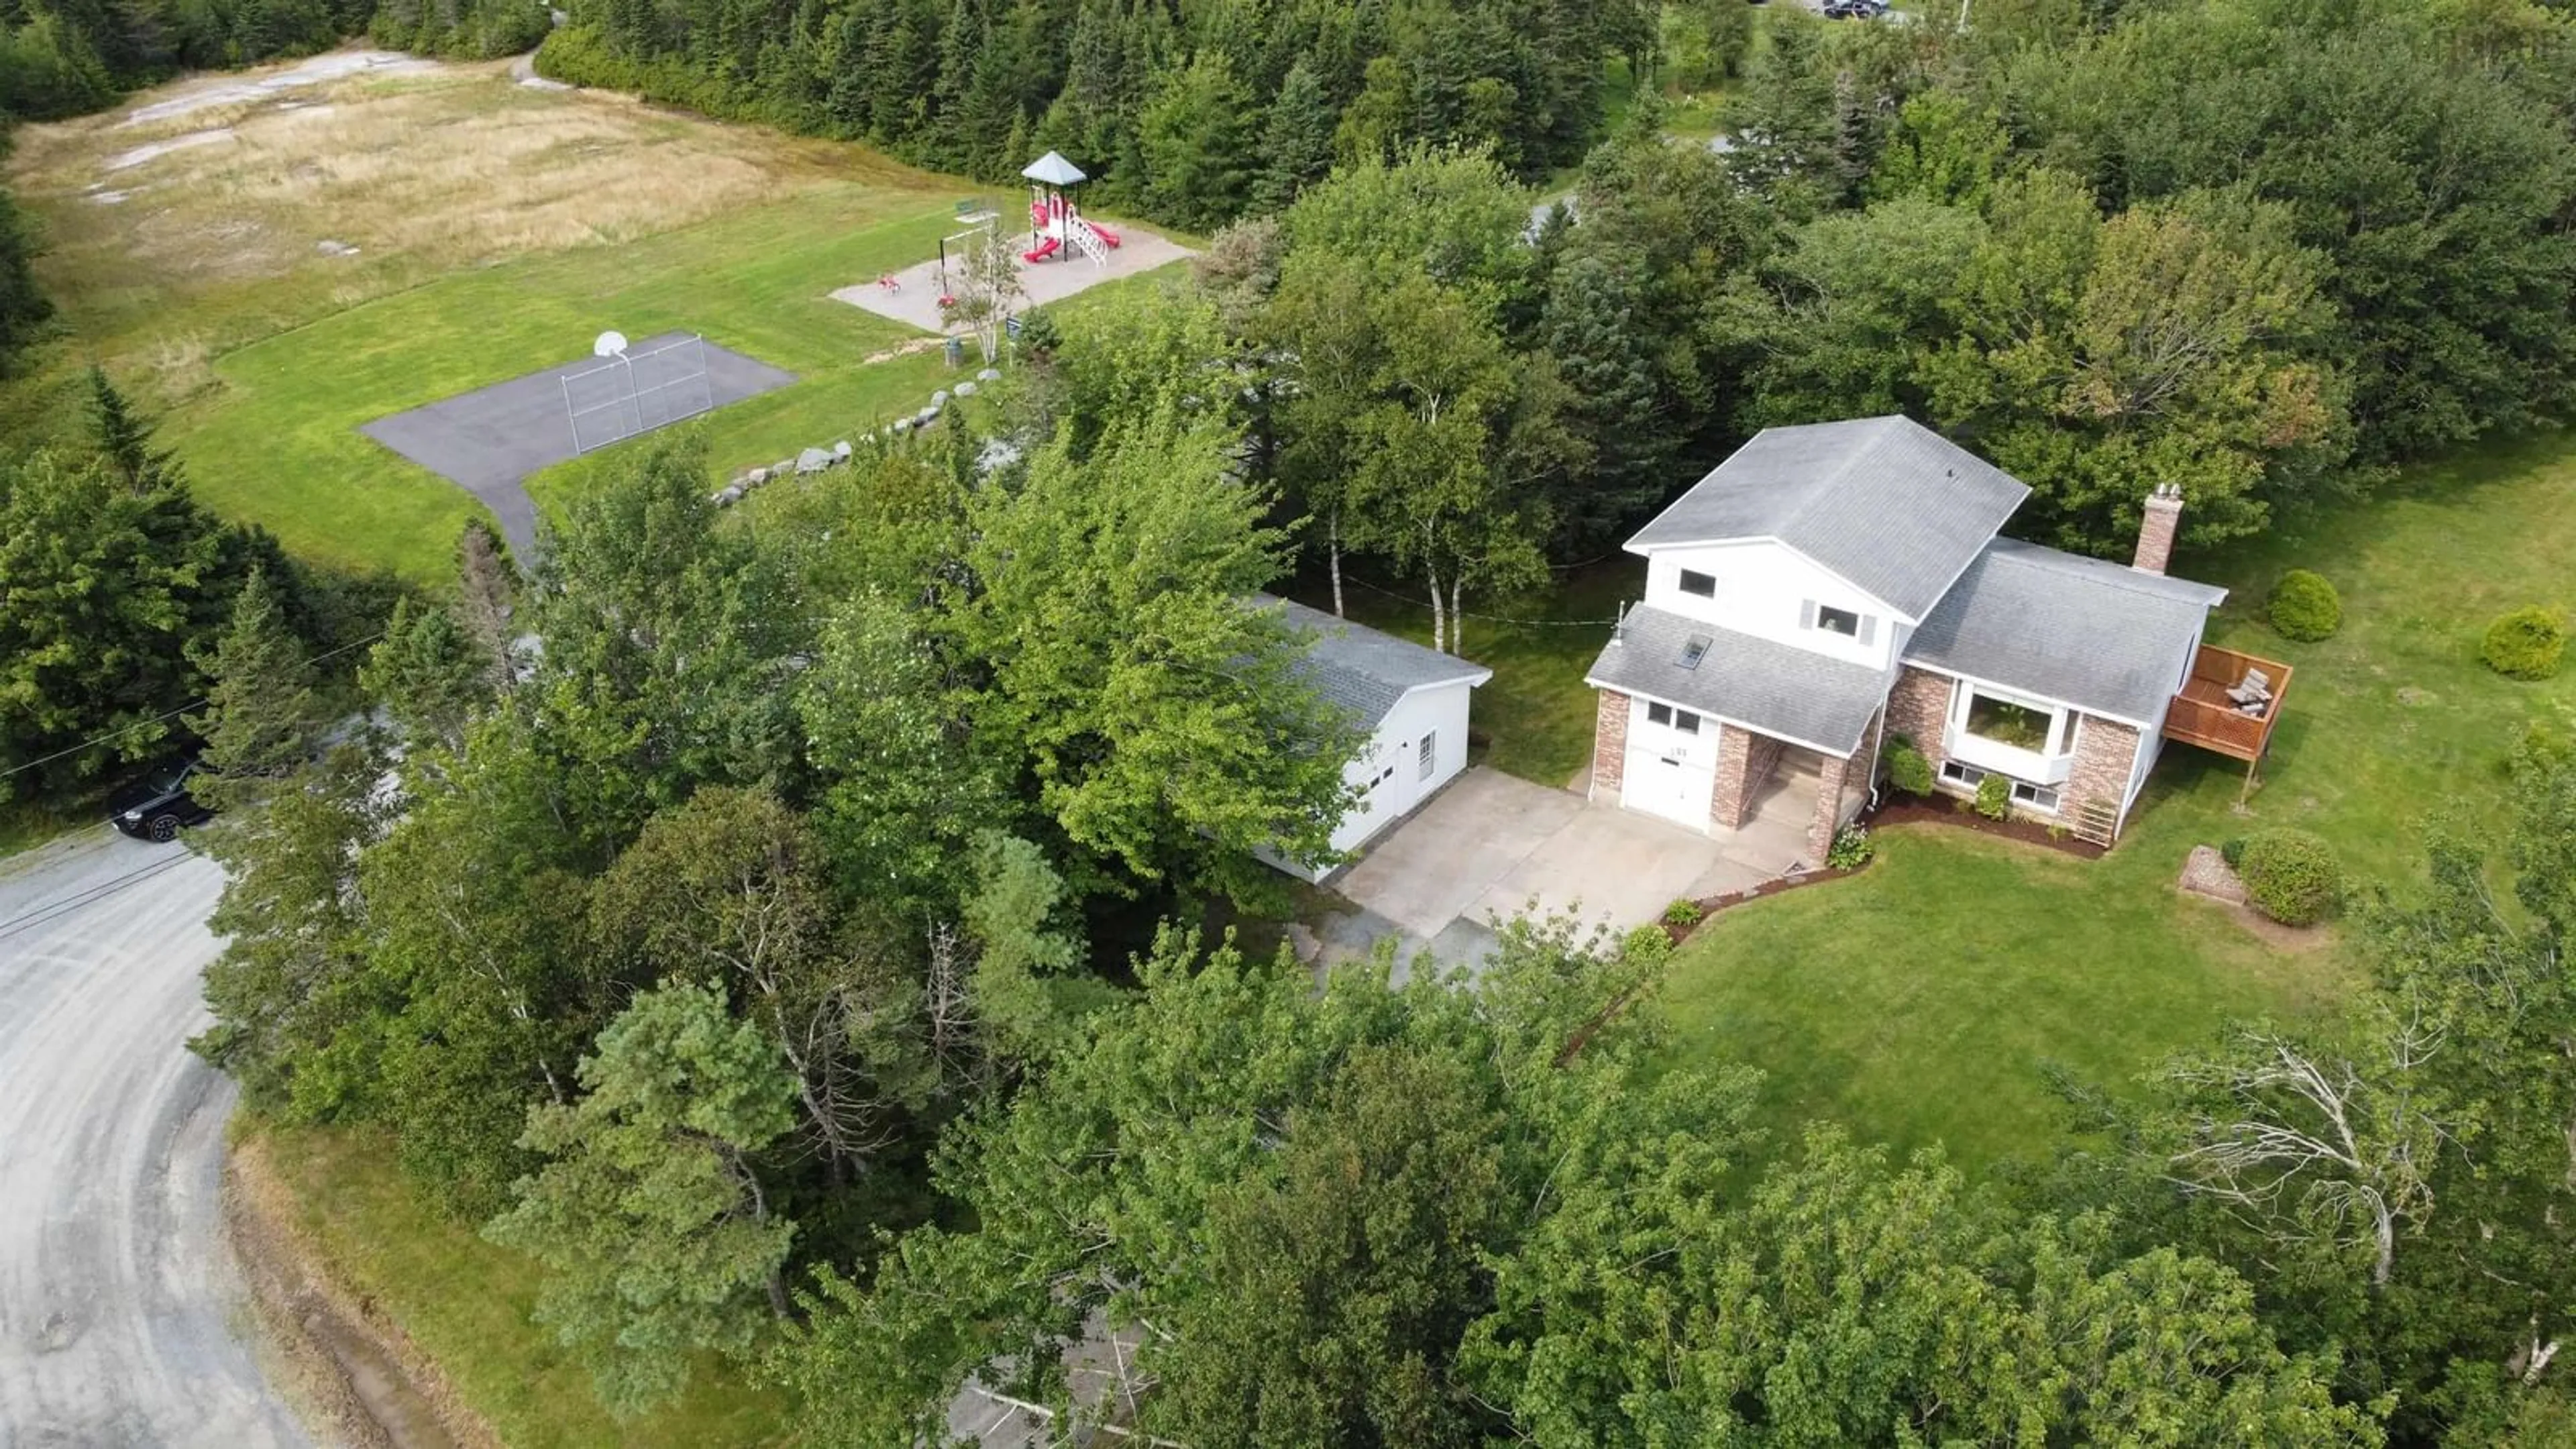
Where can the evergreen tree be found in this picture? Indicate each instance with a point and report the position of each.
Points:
(1602, 346)
(1296, 139)
(24, 308)
(1196, 144)
(648, 1214)
(111, 598)
(262, 714)
(428, 673)
(125, 439)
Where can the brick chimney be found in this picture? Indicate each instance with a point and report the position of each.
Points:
(2156, 529)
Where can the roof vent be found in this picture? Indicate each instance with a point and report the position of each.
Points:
(1619, 626)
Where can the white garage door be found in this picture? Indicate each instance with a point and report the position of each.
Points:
(1671, 765)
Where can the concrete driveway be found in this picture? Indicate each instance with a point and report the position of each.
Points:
(118, 1296)
(1493, 847)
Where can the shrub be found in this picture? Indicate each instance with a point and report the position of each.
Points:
(1683, 913)
(1908, 770)
(1994, 797)
(2305, 607)
(2291, 876)
(2233, 852)
(1852, 849)
(2525, 644)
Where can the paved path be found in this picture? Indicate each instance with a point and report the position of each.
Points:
(119, 1304)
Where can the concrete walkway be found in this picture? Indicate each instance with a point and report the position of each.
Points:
(1491, 847)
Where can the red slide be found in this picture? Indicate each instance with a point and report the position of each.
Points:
(1045, 249)
(1107, 237)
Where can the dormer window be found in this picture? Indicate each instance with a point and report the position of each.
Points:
(1838, 621)
(1699, 585)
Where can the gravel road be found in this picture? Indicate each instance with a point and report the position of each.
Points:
(120, 1311)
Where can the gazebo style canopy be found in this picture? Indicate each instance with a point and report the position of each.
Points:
(1053, 170)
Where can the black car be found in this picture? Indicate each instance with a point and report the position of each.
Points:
(155, 806)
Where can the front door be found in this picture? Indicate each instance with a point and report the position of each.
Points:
(1671, 764)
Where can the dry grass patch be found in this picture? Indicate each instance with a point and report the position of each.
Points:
(425, 171)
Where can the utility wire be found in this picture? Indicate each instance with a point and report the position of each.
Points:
(55, 909)
(165, 714)
(1350, 578)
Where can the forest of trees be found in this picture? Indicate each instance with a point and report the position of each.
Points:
(1191, 110)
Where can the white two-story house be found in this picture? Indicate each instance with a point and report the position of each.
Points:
(1834, 584)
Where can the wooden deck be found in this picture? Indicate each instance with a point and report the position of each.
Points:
(2201, 714)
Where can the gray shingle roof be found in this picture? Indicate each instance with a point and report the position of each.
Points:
(2098, 635)
(1364, 671)
(1774, 688)
(1885, 502)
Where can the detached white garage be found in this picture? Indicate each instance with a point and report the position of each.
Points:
(1412, 701)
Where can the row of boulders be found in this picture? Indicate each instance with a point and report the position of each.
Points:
(815, 460)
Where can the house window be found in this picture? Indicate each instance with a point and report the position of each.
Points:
(1703, 585)
(1958, 774)
(2009, 722)
(1685, 722)
(1838, 621)
(1661, 714)
(1430, 754)
(2039, 796)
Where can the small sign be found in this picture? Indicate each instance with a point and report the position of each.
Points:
(1011, 325)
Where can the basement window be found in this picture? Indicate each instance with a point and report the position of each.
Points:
(1700, 584)
(2038, 796)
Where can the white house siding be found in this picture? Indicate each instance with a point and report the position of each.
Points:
(1762, 589)
(1440, 711)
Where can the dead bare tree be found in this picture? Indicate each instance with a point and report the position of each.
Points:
(2307, 1149)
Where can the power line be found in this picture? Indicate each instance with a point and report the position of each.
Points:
(1350, 578)
(92, 895)
(165, 714)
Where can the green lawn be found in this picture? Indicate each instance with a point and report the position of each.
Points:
(465, 1302)
(278, 441)
(1919, 1001)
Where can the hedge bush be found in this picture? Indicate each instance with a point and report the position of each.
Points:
(2233, 852)
(1909, 770)
(2291, 876)
(2305, 607)
(2525, 644)
(1994, 797)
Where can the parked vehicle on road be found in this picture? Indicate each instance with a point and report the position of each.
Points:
(157, 805)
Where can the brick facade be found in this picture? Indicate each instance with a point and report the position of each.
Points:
(1731, 795)
(2158, 521)
(1829, 808)
(1919, 709)
(2106, 754)
(1609, 745)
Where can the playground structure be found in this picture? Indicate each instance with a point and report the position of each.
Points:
(1055, 223)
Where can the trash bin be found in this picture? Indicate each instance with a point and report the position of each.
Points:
(956, 352)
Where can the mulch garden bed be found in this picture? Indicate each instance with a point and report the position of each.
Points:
(1905, 810)
(1775, 886)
